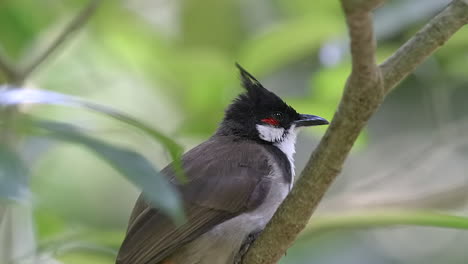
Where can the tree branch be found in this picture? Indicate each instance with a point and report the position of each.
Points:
(10, 72)
(77, 22)
(424, 43)
(364, 91)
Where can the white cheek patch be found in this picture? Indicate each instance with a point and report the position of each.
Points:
(269, 133)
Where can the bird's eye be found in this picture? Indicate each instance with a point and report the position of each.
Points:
(277, 116)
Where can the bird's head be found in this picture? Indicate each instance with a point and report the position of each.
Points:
(259, 114)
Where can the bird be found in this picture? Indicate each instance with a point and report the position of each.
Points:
(235, 182)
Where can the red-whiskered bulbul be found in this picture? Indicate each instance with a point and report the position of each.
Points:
(236, 181)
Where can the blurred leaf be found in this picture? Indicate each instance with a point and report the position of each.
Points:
(85, 247)
(97, 240)
(131, 164)
(109, 238)
(13, 176)
(12, 96)
(86, 258)
(9, 96)
(132, 42)
(48, 223)
(379, 218)
(328, 84)
(286, 43)
(320, 10)
(218, 29)
(204, 76)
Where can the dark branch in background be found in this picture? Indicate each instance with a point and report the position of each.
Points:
(364, 91)
(424, 43)
(11, 73)
(77, 23)
(17, 76)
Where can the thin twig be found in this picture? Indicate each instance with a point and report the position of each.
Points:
(77, 23)
(9, 70)
(424, 43)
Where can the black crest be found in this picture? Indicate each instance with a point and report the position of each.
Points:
(249, 82)
(255, 90)
(250, 107)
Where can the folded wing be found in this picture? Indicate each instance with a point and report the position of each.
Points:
(226, 178)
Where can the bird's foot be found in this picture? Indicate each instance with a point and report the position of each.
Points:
(245, 246)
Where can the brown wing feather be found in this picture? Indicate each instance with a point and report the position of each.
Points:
(221, 186)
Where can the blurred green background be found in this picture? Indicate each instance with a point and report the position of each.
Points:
(170, 63)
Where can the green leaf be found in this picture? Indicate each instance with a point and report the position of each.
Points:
(10, 95)
(13, 176)
(381, 218)
(129, 163)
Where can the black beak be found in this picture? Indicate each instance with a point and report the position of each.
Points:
(310, 120)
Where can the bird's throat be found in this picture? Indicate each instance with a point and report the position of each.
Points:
(283, 139)
(288, 147)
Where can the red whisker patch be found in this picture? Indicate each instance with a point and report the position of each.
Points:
(270, 121)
